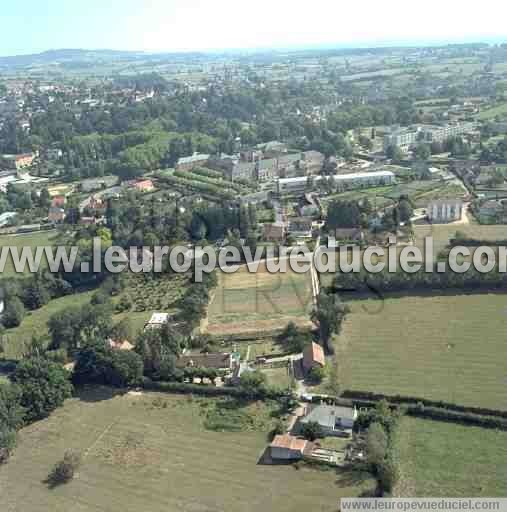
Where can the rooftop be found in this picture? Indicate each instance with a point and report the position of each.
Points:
(327, 415)
(289, 442)
(314, 353)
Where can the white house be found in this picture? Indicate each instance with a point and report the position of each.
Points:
(333, 420)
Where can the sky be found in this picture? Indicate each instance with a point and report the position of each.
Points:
(31, 26)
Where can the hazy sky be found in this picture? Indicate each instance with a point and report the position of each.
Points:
(173, 25)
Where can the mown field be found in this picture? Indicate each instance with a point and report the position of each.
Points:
(445, 459)
(259, 301)
(449, 348)
(32, 240)
(153, 453)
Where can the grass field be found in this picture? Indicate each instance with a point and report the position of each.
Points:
(278, 377)
(446, 348)
(33, 240)
(445, 459)
(35, 323)
(491, 113)
(259, 301)
(152, 453)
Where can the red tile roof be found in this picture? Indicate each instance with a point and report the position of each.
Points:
(289, 442)
(312, 354)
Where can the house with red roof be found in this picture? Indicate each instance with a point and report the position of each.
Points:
(313, 357)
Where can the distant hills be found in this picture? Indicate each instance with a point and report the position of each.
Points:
(64, 56)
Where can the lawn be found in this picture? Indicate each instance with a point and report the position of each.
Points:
(259, 301)
(35, 323)
(33, 240)
(449, 348)
(445, 459)
(278, 377)
(153, 453)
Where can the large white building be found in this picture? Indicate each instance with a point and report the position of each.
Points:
(404, 138)
(346, 181)
(445, 210)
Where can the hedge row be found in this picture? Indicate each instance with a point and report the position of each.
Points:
(410, 400)
(419, 410)
(196, 389)
(473, 242)
(465, 418)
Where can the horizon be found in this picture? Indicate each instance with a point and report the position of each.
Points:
(359, 45)
(195, 26)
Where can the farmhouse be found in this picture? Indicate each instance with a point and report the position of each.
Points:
(288, 447)
(333, 420)
(313, 357)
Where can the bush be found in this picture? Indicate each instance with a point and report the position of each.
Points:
(65, 470)
(312, 431)
(44, 386)
(7, 443)
(422, 402)
(14, 313)
(376, 444)
(97, 363)
(316, 375)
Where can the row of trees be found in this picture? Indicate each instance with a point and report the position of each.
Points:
(381, 444)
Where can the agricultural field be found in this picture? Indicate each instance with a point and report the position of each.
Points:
(448, 348)
(259, 301)
(385, 196)
(446, 459)
(16, 340)
(491, 113)
(150, 294)
(153, 452)
(448, 189)
(32, 240)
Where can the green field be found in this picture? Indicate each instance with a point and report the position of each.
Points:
(420, 192)
(35, 323)
(152, 453)
(449, 348)
(491, 113)
(445, 459)
(33, 240)
(259, 301)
